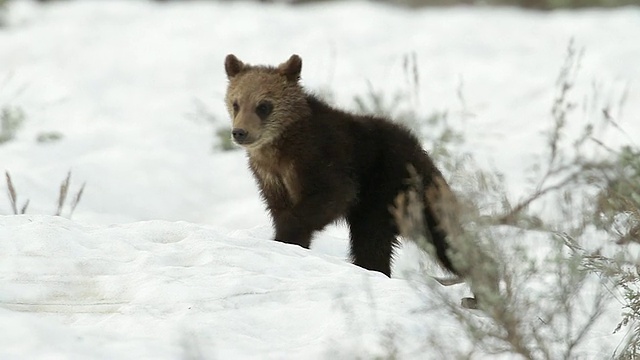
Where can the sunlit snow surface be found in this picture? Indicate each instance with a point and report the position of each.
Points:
(168, 254)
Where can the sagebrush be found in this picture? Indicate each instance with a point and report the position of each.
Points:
(560, 272)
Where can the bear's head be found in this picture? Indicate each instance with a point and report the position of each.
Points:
(263, 100)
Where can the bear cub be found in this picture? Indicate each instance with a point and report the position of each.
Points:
(315, 164)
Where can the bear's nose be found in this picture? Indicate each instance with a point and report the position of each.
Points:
(239, 135)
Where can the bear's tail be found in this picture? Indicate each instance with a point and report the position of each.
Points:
(429, 214)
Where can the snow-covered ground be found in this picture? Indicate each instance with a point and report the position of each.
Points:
(168, 253)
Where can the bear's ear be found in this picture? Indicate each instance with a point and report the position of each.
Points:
(291, 68)
(232, 65)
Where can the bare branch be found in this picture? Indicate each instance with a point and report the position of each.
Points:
(511, 217)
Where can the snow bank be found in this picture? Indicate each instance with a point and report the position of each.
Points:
(163, 290)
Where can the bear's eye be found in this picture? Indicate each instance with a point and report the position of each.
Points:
(236, 107)
(263, 109)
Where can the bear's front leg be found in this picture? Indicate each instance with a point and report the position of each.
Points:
(311, 213)
(292, 230)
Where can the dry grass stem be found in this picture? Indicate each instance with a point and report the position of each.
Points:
(62, 195)
(12, 193)
(76, 199)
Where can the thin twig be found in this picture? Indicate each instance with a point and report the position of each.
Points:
(508, 219)
(12, 193)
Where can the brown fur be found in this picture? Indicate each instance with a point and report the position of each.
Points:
(315, 164)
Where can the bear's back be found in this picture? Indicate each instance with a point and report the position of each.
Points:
(375, 149)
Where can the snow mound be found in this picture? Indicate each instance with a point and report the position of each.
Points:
(161, 289)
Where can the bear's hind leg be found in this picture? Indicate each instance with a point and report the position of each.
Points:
(372, 239)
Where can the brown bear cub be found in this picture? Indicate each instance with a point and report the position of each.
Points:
(316, 164)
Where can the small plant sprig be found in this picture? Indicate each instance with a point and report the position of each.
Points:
(11, 119)
(62, 196)
(13, 196)
(221, 134)
(3, 13)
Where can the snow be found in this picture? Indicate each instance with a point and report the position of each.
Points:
(168, 253)
(158, 289)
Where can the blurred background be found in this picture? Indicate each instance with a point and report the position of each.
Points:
(534, 4)
(127, 95)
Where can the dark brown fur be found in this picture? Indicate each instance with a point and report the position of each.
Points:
(316, 164)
